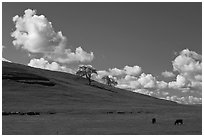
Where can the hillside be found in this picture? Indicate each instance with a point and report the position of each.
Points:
(78, 108)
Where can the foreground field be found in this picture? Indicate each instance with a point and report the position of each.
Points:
(102, 124)
(67, 105)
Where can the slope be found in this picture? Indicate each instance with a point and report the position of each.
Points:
(27, 89)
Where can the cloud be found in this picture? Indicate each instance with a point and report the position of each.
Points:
(116, 72)
(134, 71)
(168, 74)
(127, 70)
(147, 80)
(35, 34)
(44, 64)
(144, 81)
(130, 78)
(181, 82)
(189, 65)
(162, 84)
(144, 91)
(101, 74)
(185, 100)
(187, 81)
(68, 57)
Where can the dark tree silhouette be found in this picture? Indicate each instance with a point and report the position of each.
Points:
(87, 71)
(110, 81)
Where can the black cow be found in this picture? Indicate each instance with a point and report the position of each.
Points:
(178, 122)
(153, 120)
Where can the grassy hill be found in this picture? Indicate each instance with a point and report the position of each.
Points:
(68, 105)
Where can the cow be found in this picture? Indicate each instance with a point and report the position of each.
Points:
(153, 120)
(178, 122)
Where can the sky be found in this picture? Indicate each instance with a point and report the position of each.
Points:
(150, 48)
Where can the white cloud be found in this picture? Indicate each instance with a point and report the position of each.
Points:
(135, 84)
(101, 74)
(187, 81)
(130, 78)
(68, 57)
(161, 84)
(116, 72)
(168, 74)
(126, 71)
(189, 65)
(44, 64)
(134, 71)
(185, 100)
(143, 91)
(123, 86)
(147, 80)
(194, 100)
(181, 82)
(36, 35)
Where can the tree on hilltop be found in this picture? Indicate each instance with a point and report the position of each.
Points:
(87, 71)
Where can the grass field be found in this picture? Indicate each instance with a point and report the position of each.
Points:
(67, 105)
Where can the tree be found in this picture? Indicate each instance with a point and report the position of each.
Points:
(110, 81)
(87, 71)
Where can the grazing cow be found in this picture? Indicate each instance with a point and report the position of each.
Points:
(153, 120)
(178, 122)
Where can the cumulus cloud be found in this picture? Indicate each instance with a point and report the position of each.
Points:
(144, 81)
(189, 79)
(126, 71)
(131, 78)
(134, 71)
(35, 34)
(162, 84)
(189, 65)
(116, 72)
(168, 74)
(181, 82)
(67, 56)
(147, 80)
(44, 64)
